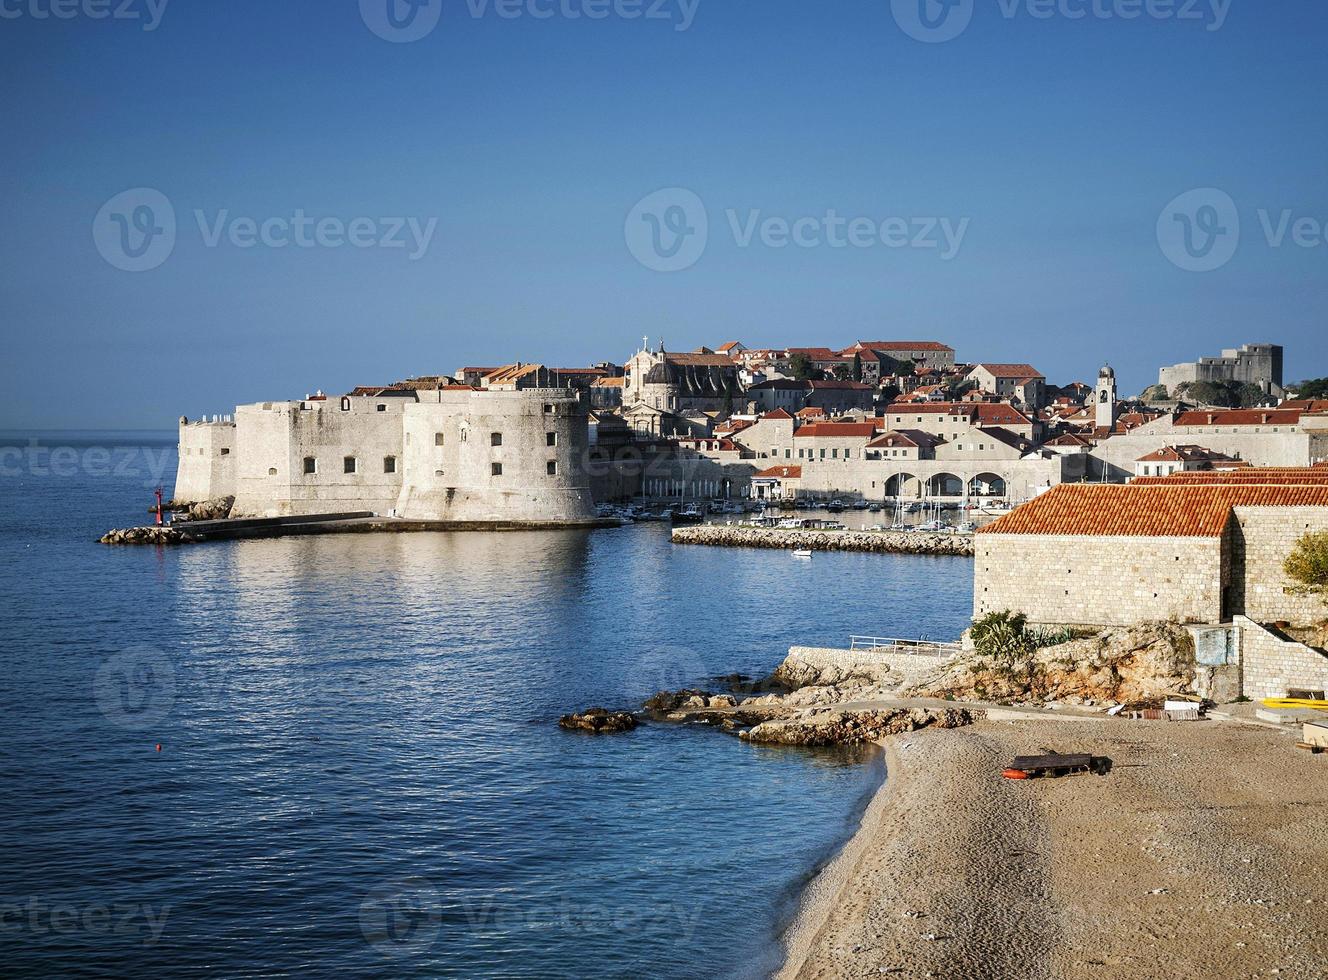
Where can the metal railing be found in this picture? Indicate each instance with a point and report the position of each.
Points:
(881, 644)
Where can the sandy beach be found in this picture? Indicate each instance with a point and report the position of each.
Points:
(1203, 853)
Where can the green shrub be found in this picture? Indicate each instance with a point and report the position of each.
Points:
(1002, 636)
(1308, 562)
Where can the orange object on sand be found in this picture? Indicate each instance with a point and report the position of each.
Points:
(1014, 774)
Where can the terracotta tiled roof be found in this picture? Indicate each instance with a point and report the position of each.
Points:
(840, 430)
(1018, 371)
(782, 473)
(905, 437)
(985, 413)
(1279, 476)
(511, 372)
(1182, 454)
(1136, 510)
(1314, 405)
(838, 386)
(888, 345)
(816, 353)
(1241, 416)
(697, 359)
(778, 413)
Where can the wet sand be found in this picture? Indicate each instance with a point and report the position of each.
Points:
(1204, 853)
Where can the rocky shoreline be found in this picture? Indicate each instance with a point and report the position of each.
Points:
(146, 536)
(884, 542)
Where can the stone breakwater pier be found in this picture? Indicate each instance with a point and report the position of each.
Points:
(885, 542)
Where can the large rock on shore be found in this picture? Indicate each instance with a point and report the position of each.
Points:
(215, 509)
(599, 721)
(796, 673)
(1138, 663)
(857, 727)
(146, 535)
(890, 542)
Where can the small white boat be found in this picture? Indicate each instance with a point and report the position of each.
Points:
(802, 552)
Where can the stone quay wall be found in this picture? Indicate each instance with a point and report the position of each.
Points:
(886, 542)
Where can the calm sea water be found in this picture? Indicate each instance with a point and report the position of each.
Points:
(359, 770)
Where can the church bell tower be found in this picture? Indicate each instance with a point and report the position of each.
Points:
(1106, 397)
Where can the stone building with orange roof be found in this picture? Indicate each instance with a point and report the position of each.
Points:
(1168, 550)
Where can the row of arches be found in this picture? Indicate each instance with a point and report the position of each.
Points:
(945, 485)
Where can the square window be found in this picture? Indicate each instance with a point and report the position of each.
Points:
(551, 467)
(495, 438)
(382, 408)
(349, 465)
(438, 439)
(550, 438)
(496, 469)
(310, 465)
(389, 464)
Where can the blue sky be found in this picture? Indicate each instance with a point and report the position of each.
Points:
(1055, 142)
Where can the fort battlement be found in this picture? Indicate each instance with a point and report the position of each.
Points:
(444, 455)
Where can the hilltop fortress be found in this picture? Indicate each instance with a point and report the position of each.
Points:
(429, 452)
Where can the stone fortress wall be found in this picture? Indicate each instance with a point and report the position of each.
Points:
(496, 456)
(1256, 364)
(448, 456)
(207, 460)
